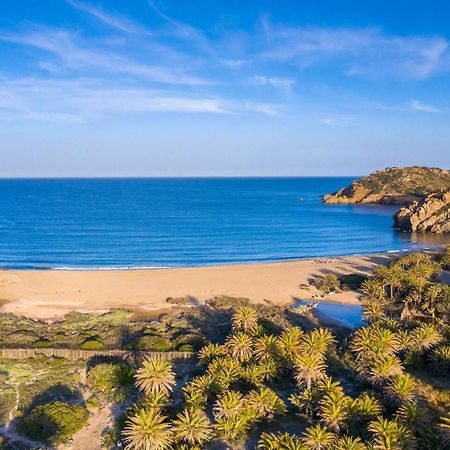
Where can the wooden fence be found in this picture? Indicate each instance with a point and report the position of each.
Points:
(74, 355)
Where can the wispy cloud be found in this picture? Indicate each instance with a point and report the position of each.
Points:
(337, 120)
(359, 51)
(112, 19)
(87, 99)
(184, 31)
(75, 56)
(176, 67)
(416, 105)
(276, 82)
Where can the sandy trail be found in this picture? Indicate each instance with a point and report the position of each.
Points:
(50, 294)
(89, 437)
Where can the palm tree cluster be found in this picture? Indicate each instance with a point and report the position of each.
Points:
(408, 289)
(254, 378)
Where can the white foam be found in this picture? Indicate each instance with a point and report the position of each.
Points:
(110, 268)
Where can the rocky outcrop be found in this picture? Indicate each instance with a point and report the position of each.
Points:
(393, 186)
(429, 215)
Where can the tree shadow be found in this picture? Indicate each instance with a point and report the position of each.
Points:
(14, 434)
(60, 392)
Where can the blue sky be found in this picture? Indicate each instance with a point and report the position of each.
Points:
(202, 88)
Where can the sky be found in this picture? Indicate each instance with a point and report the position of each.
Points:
(222, 88)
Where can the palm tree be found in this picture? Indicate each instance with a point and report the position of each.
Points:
(432, 295)
(405, 339)
(373, 289)
(393, 280)
(192, 427)
(317, 341)
(365, 407)
(289, 344)
(229, 404)
(384, 341)
(373, 312)
(440, 358)
(389, 434)
(245, 319)
(309, 368)
(373, 341)
(280, 441)
(240, 346)
(194, 397)
(334, 410)
(225, 371)
(147, 430)
(210, 352)
(425, 337)
(265, 403)
(382, 368)
(234, 429)
(156, 400)
(328, 385)
(318, 438)
(411, 415)
(349, 443)
(266, 347)
(444, 428)
(306, 402)
(401, 389)
(155, 375)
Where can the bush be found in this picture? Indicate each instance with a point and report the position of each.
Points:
(108, 378)
(153, 343)
(92, 344)
(328, 283)
(54, 422)
(42, 343)
(189, 342)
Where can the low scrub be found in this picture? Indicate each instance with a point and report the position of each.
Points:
(54, 422)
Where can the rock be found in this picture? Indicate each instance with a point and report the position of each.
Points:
(429, 215)
(393, 186)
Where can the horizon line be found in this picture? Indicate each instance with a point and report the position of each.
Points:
(174, 177)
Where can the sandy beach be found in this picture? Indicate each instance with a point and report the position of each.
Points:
(50, 294)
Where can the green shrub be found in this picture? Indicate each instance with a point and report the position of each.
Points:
(189, 342)
(185, 348)
(108, 378)
(54, 422)
(153, 343)
(42, 343)
(92, 344)
(328, 283)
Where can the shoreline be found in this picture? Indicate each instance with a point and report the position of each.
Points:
(200, 266)
(50, 294)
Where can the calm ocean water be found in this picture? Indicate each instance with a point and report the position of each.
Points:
(131, 223)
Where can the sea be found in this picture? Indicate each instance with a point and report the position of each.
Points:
(82, 224)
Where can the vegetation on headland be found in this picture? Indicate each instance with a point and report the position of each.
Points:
(424, 191)
(266, 377)
(394, 185)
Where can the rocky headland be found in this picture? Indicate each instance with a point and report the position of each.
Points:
(430, 215)
(423, 191)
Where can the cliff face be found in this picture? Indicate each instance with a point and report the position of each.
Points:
(395, 186)
(432, 214)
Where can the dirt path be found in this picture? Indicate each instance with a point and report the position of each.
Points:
(90, 436)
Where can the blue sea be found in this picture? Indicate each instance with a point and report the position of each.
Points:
(150, 223)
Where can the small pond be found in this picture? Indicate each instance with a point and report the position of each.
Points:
(348, 315)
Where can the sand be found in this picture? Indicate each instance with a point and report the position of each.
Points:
(49, 294)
